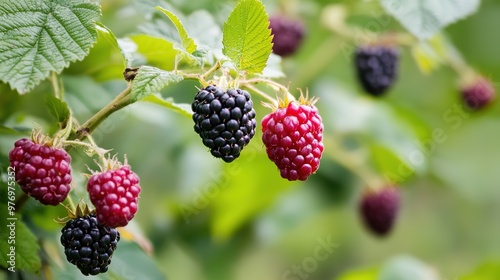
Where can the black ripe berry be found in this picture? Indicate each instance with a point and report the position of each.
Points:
(88, 244)
(225, 120)
(288, 34)
(478, 94)
(376, 68)
(379, 209)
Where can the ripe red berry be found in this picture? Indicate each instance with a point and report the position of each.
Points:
(115, 195)
(42, 171)
(293, 138)
(288, 34)
(379, 209)
(478, 94)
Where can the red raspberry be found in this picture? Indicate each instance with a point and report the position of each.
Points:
(115, 195)
(293, 139)
(42, 171)
(379, 209)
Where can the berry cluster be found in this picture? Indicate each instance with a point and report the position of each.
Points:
(376, 68)
(225, 120)
(293, 138)
(88, 244)
(42, 171)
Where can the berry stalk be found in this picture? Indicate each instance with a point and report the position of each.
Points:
(119, 102)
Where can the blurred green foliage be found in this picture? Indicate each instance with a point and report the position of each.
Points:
(209, 220)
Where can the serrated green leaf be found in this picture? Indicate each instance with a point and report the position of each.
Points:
(151, 80)
(157, 51)
(424, 18)
(187, 42)
(247, 37)
(105, 61)
(40, 36)
(58, 108)
(25, 243)
(181, 108)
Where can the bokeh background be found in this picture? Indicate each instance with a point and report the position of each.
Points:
(204, 219)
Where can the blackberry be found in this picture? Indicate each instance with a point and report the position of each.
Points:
(225, 120)
(376, 68)
(287, 34)
(42, 171)
(379, 209)
(88, 244)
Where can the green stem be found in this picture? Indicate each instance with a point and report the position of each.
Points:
(56, 85)
(355, 163)
(271, 83)
(261, 93)
(119, 102)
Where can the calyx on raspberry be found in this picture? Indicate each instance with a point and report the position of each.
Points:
(42, 170)
(225, 120)
(376, 67)
(115, 193)
(88, 244)
(379, 209)
(293, 136)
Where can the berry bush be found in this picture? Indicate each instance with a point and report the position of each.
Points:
(349, 140)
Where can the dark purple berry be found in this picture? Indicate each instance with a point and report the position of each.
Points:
(478, 94)
(225, 120)
(88, 244)
(376, 68)
(379, 209)
(288, 34)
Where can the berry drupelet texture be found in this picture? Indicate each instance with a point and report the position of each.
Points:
(88, 244)
(376, 68)
(225, 120)
(115, 195)
(293, 138)
(379, 209)
(42, 172)
(288, 34)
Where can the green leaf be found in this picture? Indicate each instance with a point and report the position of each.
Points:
(424, 18)
(361, 274)
(234, 206)
(105, 61)
(187, 43)
(247, 37)
(26, 245)
(407, 268)
(58, 108)
(4, 130)
(131, 262)
(157, 51)
(181, 108)
(40, 36)
(486, 271)
(151, 80)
